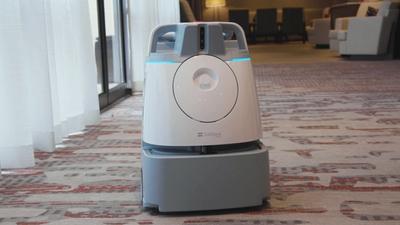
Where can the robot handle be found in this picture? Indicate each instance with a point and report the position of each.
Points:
(159, 32)
(232, 28)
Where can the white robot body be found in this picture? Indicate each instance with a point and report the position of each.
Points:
(225, 115)
(201, 122)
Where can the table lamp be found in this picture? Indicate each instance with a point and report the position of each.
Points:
(215, 4)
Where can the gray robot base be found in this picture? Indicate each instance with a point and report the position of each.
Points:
(204, 182)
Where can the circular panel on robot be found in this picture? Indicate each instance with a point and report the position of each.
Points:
(205, 88)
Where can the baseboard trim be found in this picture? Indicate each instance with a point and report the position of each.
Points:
(137, 86)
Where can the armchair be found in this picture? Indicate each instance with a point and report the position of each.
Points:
(266, 23)
(241, 17)
(366, 35)
(293, 23)
(348, 9)
(318, 33)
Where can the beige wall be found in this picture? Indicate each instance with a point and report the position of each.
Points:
(313, 8)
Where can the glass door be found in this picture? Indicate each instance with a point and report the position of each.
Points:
(114, 43)
(94, 22)
(108, 41)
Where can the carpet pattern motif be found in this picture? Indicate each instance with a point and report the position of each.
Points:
(333, 134)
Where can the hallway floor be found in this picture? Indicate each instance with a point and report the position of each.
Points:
(333, 134)
(291, 52)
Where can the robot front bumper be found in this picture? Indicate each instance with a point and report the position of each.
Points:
(184, 182)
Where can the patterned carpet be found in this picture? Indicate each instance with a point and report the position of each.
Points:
(333, 131)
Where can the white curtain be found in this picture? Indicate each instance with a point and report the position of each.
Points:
(47, 76)
(144, 16)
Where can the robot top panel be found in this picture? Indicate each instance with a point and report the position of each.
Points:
(177, 42)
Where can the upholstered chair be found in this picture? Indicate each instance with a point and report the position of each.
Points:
(318, 33)
(370, 32)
